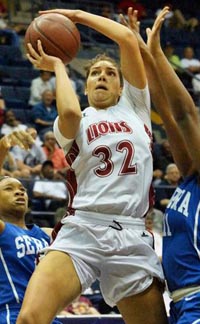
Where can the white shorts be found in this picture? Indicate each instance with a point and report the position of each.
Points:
(121, 258)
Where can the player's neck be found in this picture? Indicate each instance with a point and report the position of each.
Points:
(14, 219)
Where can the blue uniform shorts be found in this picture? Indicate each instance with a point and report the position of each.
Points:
(186, 311)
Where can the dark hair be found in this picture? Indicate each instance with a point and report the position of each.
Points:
(103, 57)
(44, 71)
(47, 162)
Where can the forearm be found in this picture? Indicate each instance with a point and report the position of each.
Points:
(37, 194)
(178, 97)
(185, 129)
(113, 30)
(43, 122)
(36, 169)
(157, 92)
(43, 195)
(161, 103)
(130, 60)
(67, 102)
(66, 98)
(22, 166)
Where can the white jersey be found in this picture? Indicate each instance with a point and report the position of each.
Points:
(111, 157)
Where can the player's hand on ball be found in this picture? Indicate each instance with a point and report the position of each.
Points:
(40, 59)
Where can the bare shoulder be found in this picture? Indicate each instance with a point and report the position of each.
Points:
(47, 230)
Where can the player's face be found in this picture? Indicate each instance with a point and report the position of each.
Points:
(103, 85)
(13, 197)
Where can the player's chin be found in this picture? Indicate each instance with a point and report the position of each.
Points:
(21, 206)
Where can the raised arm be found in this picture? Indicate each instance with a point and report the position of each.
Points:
(67, 103)
(181, 103)
(179, 98)
(131, 61)
(160, 98)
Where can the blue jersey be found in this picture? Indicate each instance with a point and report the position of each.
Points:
(18, 252)
(181, 241)
(187, 310)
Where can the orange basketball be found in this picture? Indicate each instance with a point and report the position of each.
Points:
(58, 34)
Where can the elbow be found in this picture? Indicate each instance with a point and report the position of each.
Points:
(184, 110)
(127, 38)
(128, 35)
(68, 109)
(68, 114)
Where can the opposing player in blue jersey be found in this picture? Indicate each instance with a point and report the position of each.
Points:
(181, 242)
(19, 243)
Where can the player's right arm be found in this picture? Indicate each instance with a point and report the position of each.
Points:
(67, 102)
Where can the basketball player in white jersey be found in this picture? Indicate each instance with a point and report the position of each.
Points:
(108, 147)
